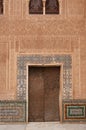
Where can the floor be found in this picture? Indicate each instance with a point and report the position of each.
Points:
(44, 126)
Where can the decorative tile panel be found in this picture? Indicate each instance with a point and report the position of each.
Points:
(23, 60)
(12, 111)
(74, 110)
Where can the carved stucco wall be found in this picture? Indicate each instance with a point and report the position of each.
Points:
(26, 39)
(21, 33)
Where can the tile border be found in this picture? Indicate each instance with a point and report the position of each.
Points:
(23, 60)
(73, 103)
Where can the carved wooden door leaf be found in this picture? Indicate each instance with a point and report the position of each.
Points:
(44, 94)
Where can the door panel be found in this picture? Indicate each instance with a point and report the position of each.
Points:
(36, 95)
(51, 86)
(44, 94)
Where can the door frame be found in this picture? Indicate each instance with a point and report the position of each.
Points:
(60, 90)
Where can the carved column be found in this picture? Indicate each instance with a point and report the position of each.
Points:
(44, 1)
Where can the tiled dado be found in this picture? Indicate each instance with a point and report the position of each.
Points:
(12, 111)
(15, 111)
(23, 60)
(74, 111)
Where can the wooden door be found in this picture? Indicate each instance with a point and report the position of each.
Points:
(44, 94)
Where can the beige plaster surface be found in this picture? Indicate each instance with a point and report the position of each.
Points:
(44, 126)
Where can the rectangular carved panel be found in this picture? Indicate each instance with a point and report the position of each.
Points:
(40, 44)
(16, 9)
(75, 7)
(3, 67)
(83, 67)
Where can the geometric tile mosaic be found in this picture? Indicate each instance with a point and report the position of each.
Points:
(12, 111)
(23, 60)
(74, 110)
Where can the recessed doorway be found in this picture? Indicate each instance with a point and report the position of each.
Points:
(43, 93)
